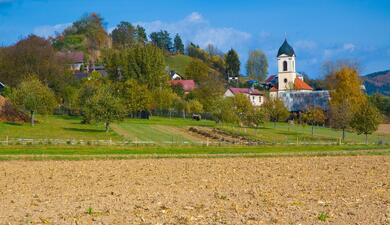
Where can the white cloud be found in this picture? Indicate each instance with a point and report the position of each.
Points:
(50, 30)
(340, 50)
(195, 17)
(305, 45)
(195, 28)
(264, 35)
(349, 47)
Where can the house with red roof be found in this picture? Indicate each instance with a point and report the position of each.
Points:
(75, 59)
(187, 85)
(254, 95)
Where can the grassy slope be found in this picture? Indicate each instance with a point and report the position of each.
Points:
(178, 63)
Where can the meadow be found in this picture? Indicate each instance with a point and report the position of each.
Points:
(66, 137)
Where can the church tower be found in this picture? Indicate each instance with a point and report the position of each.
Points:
(286, 67)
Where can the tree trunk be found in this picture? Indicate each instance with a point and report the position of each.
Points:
(107, 124)
(32, 118)
(274, 124)
(312, 130)
(366, 139)
(343, 137)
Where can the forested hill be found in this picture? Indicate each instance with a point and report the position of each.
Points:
(378, 82)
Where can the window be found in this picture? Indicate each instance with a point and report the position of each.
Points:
(285, 80)
(284, 65)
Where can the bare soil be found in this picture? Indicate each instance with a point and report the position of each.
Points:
(289, 190)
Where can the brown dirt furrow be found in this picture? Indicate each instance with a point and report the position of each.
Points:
(347, 190)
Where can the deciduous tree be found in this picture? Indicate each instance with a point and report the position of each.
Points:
(314, 116)
(276, 110)
(197, 71)
(34, 97)
(366, 120)
(346, 98)
(257, 65)
(124, 35)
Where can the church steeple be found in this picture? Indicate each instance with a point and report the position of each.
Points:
(286, 49)
(286, 66)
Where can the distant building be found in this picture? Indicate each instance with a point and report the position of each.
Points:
(290, 87)
(254, 95)
(2, 86)
(76, 59)
(187, 85)
(175, 76)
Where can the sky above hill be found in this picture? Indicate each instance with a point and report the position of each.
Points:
(319, 31)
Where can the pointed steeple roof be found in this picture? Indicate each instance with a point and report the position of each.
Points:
(286, 49)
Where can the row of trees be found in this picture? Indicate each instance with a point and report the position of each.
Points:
(88, 34)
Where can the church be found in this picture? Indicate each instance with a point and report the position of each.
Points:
(290, 87)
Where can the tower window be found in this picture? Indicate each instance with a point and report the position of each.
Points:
(285, 80)
(284, 65)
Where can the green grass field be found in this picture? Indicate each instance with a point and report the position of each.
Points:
(160, 137)
(284, 133)
(178, 63)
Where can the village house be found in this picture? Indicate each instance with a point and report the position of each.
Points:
(187, 85)
(254, 95)
(175, 76)
(76, 59)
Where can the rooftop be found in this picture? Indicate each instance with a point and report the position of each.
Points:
(286, 49)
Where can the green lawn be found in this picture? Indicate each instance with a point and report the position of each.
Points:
(284, 133)
(162, 131)
(178, 63)
(56, 127)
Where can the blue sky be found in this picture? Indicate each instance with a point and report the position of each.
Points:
(319, 30)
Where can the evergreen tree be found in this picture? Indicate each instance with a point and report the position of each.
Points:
(162, 40)
(232, 63)
(178, 44)
(141, 34)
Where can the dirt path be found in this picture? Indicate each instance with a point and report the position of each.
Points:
(344, 190)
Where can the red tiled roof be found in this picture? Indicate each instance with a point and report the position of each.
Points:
(188, 85)
(301, 85)
(74, 57)
(245, 91)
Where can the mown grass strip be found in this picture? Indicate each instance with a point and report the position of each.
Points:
(177, 150)
(189, 156)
